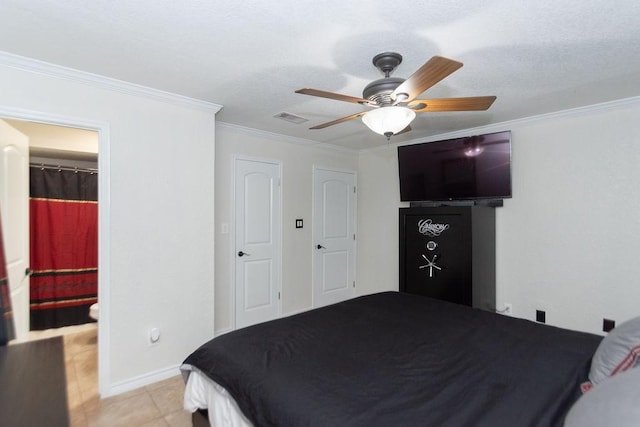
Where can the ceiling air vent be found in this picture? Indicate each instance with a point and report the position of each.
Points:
(291, 118)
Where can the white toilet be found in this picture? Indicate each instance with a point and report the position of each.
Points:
(94, 311)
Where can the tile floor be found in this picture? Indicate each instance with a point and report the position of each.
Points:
(158, 404)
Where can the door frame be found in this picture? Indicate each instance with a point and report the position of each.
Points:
(104, 241)
(314, 238)
(232, 231)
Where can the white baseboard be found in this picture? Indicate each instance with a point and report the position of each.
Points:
(142, 380)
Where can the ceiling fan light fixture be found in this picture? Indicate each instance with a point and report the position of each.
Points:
(388, 120)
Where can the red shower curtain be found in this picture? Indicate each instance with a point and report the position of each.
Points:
(64, 246)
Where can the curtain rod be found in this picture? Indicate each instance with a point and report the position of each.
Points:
(62, 168)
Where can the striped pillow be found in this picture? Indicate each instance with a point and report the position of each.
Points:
(619, 351)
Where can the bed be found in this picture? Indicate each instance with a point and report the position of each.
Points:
(390, 359)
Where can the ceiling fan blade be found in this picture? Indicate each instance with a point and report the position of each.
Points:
(342, 120)
(434, 70)
(332, 95)
(472, 103)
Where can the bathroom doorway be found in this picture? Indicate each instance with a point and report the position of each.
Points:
(63, 169)
(104, 261)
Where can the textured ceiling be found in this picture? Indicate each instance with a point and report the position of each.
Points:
(536, 56)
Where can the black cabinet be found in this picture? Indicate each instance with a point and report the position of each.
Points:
(448, 252)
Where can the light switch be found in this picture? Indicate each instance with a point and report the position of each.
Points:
(298, 223)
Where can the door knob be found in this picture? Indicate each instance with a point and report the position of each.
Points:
(243, 254)
(320, 247)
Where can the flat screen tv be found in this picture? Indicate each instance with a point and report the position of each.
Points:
(469, 168)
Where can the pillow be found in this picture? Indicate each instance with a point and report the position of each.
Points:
(617, 352)
(612, 403)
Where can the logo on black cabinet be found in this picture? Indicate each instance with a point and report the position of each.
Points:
(430, 229)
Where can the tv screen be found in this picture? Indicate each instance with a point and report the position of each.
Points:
(468, 168)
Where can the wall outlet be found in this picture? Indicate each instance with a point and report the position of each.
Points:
(154, 335)
(541, 316)
(608, 324)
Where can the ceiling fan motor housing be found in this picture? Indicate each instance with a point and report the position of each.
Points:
(379, 90)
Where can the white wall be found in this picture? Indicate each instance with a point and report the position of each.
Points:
(160, 217)
(567, 242)
(378, 203)
(297, 185)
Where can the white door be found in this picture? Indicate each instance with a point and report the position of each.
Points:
(257, 241)
(14, 205)
(334, 204)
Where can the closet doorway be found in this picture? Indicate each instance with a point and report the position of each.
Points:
(61, 233)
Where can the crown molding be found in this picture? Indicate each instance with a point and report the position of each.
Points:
(102, 82)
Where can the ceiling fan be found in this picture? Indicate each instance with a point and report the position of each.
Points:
(394, 99)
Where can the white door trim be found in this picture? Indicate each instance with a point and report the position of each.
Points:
(104, 243)
(355, 227)
(232, 232)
